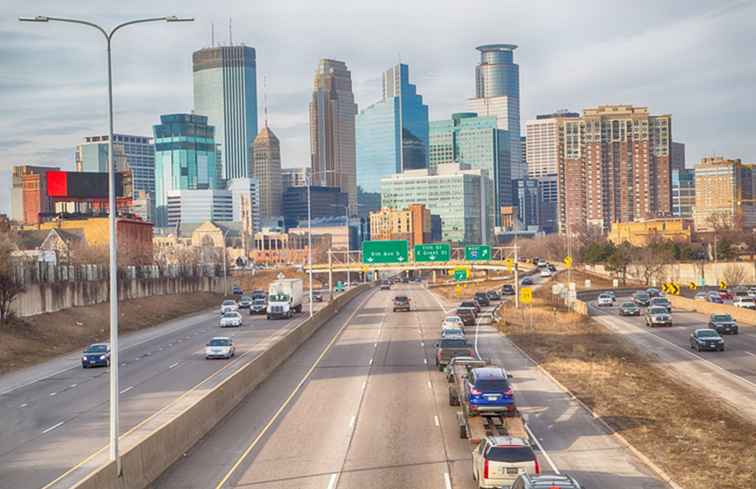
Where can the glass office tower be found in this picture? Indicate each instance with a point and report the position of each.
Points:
(225, 90)
(185, 158)
(392, 134)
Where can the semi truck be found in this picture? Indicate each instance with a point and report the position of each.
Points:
(285, 298)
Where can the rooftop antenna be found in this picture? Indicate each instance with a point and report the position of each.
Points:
(265, 98)
(212, 34)
(230, 35)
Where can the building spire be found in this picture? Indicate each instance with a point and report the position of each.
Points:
(230, 33)
(265, 98)
(212, 34)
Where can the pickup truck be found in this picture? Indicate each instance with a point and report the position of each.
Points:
(448, 348)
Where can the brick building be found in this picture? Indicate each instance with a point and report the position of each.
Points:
(412, 224)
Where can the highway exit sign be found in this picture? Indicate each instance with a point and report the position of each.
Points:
(477, 252)
(389, 251)
(432, 252)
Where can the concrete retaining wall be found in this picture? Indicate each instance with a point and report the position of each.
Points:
(42, 297)
(146, 458)
(579, 307)
(683, 273)
(742, 316)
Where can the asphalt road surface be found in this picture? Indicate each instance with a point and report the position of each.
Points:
(730, 374)
(51, 422)
(360, 405)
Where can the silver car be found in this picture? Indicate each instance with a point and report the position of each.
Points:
(220, 347)
(229, 305)
(499, 460)
(231, 320)
(658, 316)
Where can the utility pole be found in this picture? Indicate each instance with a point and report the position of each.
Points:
(517, 273)
(330, 274)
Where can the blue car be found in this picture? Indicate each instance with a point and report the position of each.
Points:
(96, 355)
(488, 392)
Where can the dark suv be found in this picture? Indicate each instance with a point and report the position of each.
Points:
(401, 303)
(507, 289)
(482, 299)
(473, 303)
(467, 314)
(723, 324)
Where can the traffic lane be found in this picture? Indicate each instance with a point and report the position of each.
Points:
(77, 424)
(575, 442)
(739, 357)
(255, 418)
(397, 443)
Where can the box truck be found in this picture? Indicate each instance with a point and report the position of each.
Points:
(285, 298)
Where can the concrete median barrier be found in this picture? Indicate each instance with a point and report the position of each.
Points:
(154, 446)
(745, 317)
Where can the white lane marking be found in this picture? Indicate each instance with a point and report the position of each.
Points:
(124, 364)
(435, 420)
(126, 389)
(540, 447)
(53, 393)
(73, 385)
(477, 328)
(351, 422)
(364, 384)
(371, 361)
(173, 365)
(23, 405)
(749, 353)
(439, 302)
(422, 343)
(57, 425)
(375, 345)
(429, 385)
(332, 482)
(447, 480)
(425, 361)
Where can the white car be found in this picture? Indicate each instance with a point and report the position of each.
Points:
(452, 333)
(744, 303)
(231, 319)
(220, 347)
(546, 273)
(229, 305)
(498, 460)
(453, 322)
(605, 300)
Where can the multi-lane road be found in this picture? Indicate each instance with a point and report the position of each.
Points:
(360, 405)
(55, 416)
(731, 374)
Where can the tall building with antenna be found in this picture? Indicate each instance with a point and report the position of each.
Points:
(265, 154)
(225, 90)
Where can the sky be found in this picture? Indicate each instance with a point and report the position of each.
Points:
(693, 60)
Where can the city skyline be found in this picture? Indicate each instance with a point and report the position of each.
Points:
(151, 82)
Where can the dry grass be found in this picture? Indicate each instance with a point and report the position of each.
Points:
(28, 341)
(262, 279)
(698, 441)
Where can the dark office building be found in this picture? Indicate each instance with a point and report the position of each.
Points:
(325, 202)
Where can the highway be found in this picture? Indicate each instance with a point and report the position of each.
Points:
(360, 405)
(730, 374)
(51, 422)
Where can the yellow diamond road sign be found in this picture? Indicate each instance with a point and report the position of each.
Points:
(723, 285)
(692, 286)
(568, 261)
(526, 295)
(509, 264)
(671, 288)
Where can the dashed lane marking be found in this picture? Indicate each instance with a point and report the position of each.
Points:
(56, 425)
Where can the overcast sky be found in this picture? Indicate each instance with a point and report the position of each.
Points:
(694, 60)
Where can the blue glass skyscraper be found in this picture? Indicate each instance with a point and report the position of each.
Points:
(392, 134)
(185, 158)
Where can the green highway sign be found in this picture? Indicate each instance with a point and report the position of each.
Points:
(460, 275)
(432, 252)
(390, 251)
(477, 252)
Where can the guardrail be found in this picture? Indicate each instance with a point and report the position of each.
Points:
(148, 452)
(740, 315)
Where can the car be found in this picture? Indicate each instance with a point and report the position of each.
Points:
(229, 305)
(236, 290)
(220, 347)
(96, 355)
(231, 319)
(661, 302)
(467, 314)
(744, 303)
(448, 348)
(658, 316)
(605, 300)
(700, 296)
(526, 281)
(385, 285)
(546, 272)
(453, 333)
(493, 295)
(259, 305)
(542, 263)
(498, 461)
(714, 298)
(545, 481)
(482, 299)
(245, 301)
(507, 289)
(726, 296)
(653, 292)
(611, 293)
(452, 322)
(642, 299)
(629, 309)
(317, 297)
(706, 339)
(475, 305)
(402, 303)
(467, 361)
(488, 391)
(723, 324)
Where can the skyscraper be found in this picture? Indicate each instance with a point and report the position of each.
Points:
(185, 159)
(225, 90)
(497, 93)
(332, 129)
(724, 195)
(677, 158)
(266, 156)
(477, 142)
(392, 134)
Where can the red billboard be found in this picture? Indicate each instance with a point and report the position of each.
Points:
(81, 185)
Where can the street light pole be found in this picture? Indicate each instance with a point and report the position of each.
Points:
(309, 237)
(112, 245)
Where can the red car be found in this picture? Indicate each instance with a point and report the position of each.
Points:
(725, 295)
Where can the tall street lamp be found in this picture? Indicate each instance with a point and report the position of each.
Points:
(348, 242)
(308, 181)
(111, 219)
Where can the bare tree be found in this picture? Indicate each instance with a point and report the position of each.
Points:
(734, 274)
(651, 260)
(10, 284)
